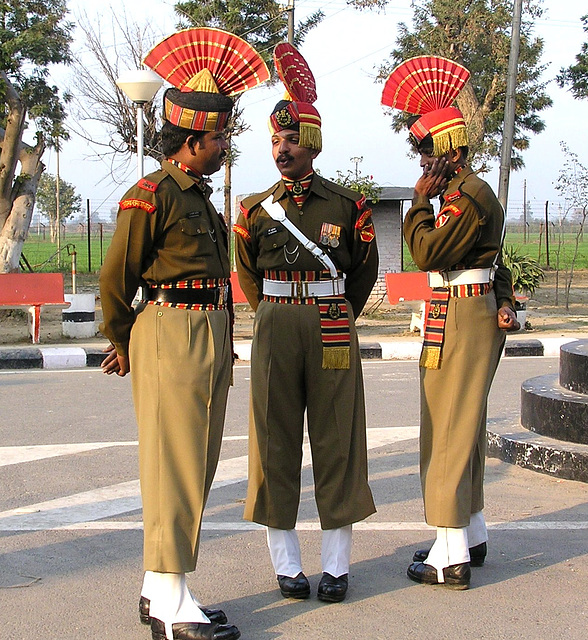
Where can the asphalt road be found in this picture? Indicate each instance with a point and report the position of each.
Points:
(70, 525)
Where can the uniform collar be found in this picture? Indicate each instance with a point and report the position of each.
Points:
(184, 181)
(316, 186)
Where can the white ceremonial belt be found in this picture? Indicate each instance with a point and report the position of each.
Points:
(304, 288)
(461, 276)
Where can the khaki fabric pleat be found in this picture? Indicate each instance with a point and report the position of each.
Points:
(180, 370)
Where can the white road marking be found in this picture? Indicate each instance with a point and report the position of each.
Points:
(88, 510)
(30, 453)
(78, 510)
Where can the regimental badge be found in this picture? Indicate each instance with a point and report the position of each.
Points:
(330, 234)
(436, 311)
(367, 234)
(297, 188)
(334, 311)
(283, 117)
(441, 220)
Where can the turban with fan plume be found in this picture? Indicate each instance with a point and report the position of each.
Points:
(206, 67)
(427, 86)
(296, 110)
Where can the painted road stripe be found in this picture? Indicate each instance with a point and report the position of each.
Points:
(115, 500)
(31, 453)
(126, 525)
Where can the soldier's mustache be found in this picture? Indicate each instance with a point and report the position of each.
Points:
(284, 157)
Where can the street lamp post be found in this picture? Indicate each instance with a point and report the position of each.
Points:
(140, 86)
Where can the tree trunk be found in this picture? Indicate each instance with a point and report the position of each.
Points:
(16, 227)
(227, 204)
(11, 147)
(473, 114)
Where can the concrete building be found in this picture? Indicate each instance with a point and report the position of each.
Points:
(387, 216)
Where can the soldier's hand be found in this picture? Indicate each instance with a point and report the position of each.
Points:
(507, 320)
(433, 181)
(114, 363)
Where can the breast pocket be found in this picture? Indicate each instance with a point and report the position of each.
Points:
(197, 235)
(273, 238)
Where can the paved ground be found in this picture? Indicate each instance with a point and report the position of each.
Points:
(70, 550)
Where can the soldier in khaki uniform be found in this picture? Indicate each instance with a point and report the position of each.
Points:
(170, 240)
(305, 353)
(471, 308)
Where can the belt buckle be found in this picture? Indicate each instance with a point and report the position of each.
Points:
(299, 290)
(222, 294)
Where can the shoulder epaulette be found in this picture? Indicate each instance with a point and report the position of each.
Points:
(339, 189)
(147, 185)
(253, 200)
(151, 181)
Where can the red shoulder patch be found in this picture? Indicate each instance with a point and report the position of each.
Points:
(243, 210)
(367, 233)
(239, 230)
(135, 203)
(451, 208)
(456, 195)
(441, 220)
(361, 203)
(147, 185)
(363, 218)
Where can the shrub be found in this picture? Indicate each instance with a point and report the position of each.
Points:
(526, 271)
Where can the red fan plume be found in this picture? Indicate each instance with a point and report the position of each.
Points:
(424, 84)
(295, 73)
(232, 62)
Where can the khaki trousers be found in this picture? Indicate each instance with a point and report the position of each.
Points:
(287, 378)
(180, 370)
(453, 412)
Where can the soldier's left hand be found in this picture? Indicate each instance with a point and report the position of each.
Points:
(507, 320)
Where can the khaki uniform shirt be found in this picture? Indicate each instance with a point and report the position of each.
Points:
(467, 233)
(167, 230)
(262, 243)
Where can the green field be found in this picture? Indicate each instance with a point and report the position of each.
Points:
(41, 253)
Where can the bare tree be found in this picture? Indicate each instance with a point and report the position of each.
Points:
(572, 183)
(97, 100)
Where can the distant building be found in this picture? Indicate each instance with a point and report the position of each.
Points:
(387, 216)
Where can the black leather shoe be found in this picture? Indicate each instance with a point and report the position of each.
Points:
(477, 555)
(195, 631)
(457, 576)
(297, 587)
(214, 615)
(333, 589)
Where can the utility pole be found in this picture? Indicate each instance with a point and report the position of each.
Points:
(290, 9)
(509, 107)
(547, 231)
(525, 211)
(57, 209)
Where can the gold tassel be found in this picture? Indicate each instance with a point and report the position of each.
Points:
(335, 357)
(310, 137)
(430, 358)
(448, 140)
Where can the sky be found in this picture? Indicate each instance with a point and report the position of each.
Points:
(343, 53)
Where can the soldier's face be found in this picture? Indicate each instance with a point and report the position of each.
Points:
(292, 160)
(210, 152)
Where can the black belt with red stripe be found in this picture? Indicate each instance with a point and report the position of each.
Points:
(184, 296)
